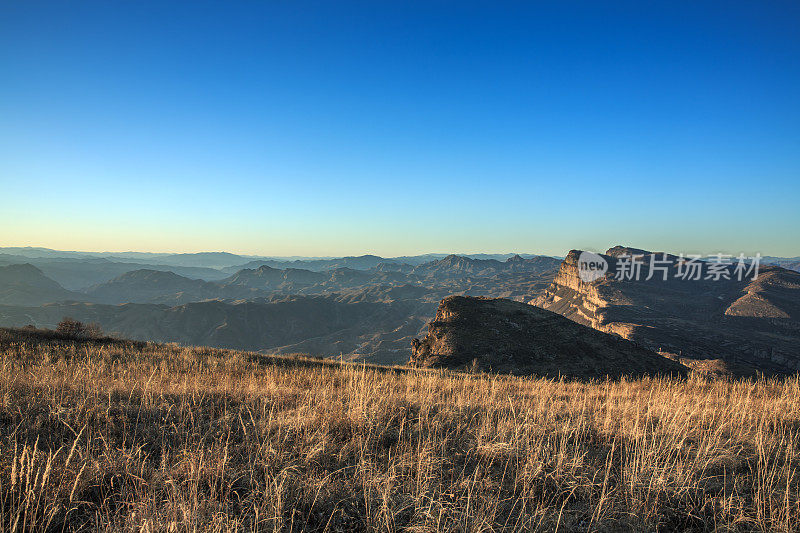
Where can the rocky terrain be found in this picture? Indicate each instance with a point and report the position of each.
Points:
(500, 335)
(375, 306)
(361, 313)
(744, 326)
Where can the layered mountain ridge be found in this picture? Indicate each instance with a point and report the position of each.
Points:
(241, 310)
(731, 325)
(751, 323)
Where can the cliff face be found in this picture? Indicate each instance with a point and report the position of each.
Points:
(750, 324)
(504, 336)
(560, 296)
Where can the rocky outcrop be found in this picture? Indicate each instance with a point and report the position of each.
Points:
(501, 335)
(751, 324)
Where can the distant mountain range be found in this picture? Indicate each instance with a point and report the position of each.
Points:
(148, 285)
(81, 270)
(77, 273)
(364, 313)
(789, 263)
(371, 308)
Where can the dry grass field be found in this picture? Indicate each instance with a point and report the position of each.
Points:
(115, 436)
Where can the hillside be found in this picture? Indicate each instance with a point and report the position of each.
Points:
(27, 285)
(460, 266)
(511, 337)
(750, 325)
(152, 286)
(114, 435)
(267, 278)
(347, 325)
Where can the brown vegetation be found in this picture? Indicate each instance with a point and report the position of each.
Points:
(69, 328)
(108, 435)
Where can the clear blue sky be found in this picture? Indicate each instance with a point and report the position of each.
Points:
(333, 128)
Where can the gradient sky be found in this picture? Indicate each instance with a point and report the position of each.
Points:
(338, 128)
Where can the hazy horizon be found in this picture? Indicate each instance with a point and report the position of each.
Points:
(600, 249)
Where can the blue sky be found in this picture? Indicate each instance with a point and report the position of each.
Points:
(333, 128)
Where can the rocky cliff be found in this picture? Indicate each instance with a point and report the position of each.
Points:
(750, 325)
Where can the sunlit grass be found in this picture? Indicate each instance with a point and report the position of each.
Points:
(115, 436)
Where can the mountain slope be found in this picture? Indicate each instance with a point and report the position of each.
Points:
(268, 278)
(752, 325)
(27, 285)
(326, 325)
(152, 286)
(460, 266)
(506, 336)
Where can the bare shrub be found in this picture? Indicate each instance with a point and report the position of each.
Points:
(94, 331)
(69, 328)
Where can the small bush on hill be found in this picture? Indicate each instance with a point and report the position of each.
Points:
(69, 328)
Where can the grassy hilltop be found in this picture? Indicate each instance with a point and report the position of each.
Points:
(117, 436)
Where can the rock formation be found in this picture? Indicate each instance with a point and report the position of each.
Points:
(750, 325)
(501, 335)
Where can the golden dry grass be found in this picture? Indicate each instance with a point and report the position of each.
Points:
(113, 436)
